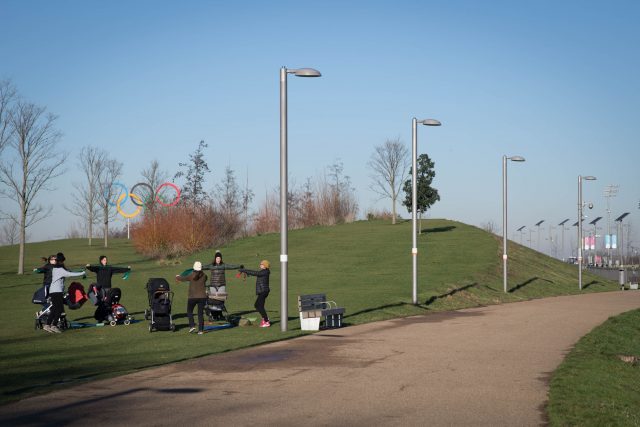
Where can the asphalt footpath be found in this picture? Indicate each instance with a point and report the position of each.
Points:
(487, 366)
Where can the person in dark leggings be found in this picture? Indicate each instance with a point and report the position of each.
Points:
(262, 289)
(56, 292)
(197, 295)
(46, 269)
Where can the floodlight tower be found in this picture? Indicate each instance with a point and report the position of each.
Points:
(609, 192)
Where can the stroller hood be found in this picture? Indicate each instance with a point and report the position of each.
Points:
(157, 284)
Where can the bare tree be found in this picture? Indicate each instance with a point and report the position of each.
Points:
(153, 177)
(193, 193)
(8, 96)
(9, 233)
(109, 175)
(247, 198)
(86, 203)
(389, 164)
(36, 161)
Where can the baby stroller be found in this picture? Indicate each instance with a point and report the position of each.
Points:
(74, 299)
(108, 307)
(215, 307)
(159, 311)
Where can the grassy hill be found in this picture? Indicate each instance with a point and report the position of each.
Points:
(364, 266)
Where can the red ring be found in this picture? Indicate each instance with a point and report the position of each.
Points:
(175, 187)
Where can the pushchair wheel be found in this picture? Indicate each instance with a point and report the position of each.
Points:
(126, 322)
(113, 323)
(146, 314)
(172, 328)
(150, 328)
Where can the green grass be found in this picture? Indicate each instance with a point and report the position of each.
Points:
(593, 386)
(364, 266)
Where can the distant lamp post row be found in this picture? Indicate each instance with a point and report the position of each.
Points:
(580, 244)
(504, 215)
(301, 72)
(414, 199)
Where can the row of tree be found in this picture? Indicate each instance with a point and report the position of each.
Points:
(31, 160)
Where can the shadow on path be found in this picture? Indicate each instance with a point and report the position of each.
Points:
(63, 415)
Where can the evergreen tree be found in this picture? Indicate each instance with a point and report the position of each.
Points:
(426, 195)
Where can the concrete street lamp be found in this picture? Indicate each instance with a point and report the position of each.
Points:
(414, 199)
(301, 72)
(504, 215)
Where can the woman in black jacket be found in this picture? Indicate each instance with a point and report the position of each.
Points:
(262, 289)
(104, 272)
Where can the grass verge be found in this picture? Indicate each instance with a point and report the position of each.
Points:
(598, 383)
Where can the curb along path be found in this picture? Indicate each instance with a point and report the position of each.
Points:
(481, 366)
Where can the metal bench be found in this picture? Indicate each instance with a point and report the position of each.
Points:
(314, 307)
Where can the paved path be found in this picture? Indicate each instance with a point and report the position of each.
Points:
(485, 366)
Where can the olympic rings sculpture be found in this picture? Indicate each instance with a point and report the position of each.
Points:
(125, 195)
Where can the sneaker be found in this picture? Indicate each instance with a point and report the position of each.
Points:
(54, 328)
(200, 332)
(265, 324)
(192, 330)
(46, 328)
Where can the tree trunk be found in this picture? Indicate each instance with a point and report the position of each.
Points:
(106, 227)
(393, 210)
(23, 239)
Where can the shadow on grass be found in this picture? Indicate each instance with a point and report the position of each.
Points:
(66, 414)
(438, 229)
(525, 283)
(448, 294)
(593, 282)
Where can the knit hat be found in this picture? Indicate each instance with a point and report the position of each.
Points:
(197, 266)
(265, 263)
(60, 257)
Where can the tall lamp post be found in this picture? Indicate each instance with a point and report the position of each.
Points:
(414, 199)
(580, 245)
(620, 233)
(562, 225)
(520, 230)
(301, 72)
(538, 225)
(504, 215)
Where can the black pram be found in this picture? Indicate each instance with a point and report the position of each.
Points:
(160, 300)
(74, 299)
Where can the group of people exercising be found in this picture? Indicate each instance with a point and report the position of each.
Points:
(55, 274)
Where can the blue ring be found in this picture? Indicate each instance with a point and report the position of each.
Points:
(107, 190)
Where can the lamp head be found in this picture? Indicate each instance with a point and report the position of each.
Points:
(516, 158)
(430, 122)
(589, 178)
(305, 72)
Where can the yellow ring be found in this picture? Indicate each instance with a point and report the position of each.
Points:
(138, 209)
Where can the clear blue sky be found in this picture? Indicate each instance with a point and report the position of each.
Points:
(555, 82)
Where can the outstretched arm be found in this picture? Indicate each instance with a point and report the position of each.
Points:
(120, 269)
